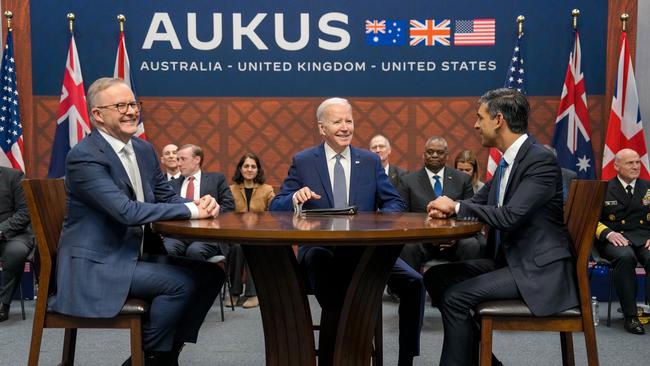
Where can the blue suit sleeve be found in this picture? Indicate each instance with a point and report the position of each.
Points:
(283, 201)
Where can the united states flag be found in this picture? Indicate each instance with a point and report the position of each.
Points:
(428, 33)
(625, 129)
(515, 80)
(572, 136)
(72, 122)
(123, 71)
(477, 32)
(11, 130)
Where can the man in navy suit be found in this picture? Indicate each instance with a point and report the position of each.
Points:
(315, 181)
(529, 249)
(198, 184)
(380, 145)
(115, 189)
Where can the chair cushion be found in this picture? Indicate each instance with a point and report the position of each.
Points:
(134, 306)
(515, 308)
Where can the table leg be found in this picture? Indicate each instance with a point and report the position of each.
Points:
(286, 317)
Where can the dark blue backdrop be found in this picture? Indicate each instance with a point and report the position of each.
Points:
(548, 41)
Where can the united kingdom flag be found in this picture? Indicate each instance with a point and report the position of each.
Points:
(428, 33)
(72, 122)
(375, 26)
(572, 136)
(123, 71)
(625, 129)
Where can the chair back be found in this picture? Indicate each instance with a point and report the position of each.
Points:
(581, 215)
(46, 200)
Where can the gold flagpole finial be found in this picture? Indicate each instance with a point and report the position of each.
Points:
(121, 19)
(624, 19)
(520, 24)
(9, 15)
(575, 13)
(71, 18)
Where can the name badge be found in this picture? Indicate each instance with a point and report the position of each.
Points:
(611, 203)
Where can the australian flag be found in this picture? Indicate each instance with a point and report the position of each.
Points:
(386, 32)
(572, 136)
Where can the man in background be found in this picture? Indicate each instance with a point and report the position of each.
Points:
(169, 161)
(380, 145)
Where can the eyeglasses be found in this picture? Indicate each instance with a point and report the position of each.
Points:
(123, 107)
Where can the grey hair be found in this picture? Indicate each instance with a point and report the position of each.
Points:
(95, 88)
(330, 102)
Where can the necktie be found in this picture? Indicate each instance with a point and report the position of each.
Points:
(189, 191)
(628, 189)
(503, 164)
(339, 190)
(437, 186)
(132, 172)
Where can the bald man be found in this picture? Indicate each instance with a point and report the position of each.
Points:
(380, 145)
(169, 161)
(624, 232)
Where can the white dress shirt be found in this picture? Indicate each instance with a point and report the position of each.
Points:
(197, 186)
(432, 180)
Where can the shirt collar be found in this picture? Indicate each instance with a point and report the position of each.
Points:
(511, 152)
(197, 175)
(440, 173)
(330, 153)
(116, 144)
(632, 183)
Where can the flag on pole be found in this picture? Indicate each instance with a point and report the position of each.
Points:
(514, 80)
(625, 129)
(72, 122)
(11, 130)
(572, 136)
(123, 71)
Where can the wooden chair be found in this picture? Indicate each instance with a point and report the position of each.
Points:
(581, 214)
(46, 199)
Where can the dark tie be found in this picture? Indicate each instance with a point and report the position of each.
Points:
(437, 186)
(503, 164)
(628, 189)
(339, 190)
(189, 192)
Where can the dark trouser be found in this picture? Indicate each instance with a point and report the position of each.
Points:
(181, 292)
(236, 267)
(456, 289)
(13, 254)
(624, 261)
(329, 273)
(465, 249)
(194, 249)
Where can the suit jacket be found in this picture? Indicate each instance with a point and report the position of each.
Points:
(260, 199)
(631, 217)
(416, 190)
(369, 184)
(14, 215)
(534, 238)
(395, 174)
(213, 184)
(102, 231)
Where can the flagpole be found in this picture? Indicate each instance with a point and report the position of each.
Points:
(575, 13)
(9, 15)
(121, 19)
(520, 25)
(71, 18)
(624, 18)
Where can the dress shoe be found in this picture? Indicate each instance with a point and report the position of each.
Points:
(157, 359)
(633, 325)
(251, 302)
(228, 303)
(4, 312)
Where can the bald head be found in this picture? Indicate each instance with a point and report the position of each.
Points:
(627, 164)
(381, 146)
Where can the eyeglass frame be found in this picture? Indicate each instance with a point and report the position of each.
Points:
(135, 105)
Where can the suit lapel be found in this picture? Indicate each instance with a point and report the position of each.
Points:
(323, 173)
(114, 161)
(145, 173)
(514, 176)
(355, 169)
(205, 183)
(425, 183)
(448, 182)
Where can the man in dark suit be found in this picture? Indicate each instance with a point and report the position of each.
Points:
(169, 161)
(530, 254)
(623, 232)
(380, 145)
(335, 174)
(193, 184)
(419, 188)
(16, 240)
(115, 189)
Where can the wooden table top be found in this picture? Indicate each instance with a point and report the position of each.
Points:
(279, 228)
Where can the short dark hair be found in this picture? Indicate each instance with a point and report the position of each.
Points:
(239, 178)
(196, 151)
(512, 104)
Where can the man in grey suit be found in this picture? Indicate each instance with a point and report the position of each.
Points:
(419, 188)
(380, 145)
(16, 240)
(192, 184)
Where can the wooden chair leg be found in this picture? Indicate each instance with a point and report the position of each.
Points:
(486, 342)
(378, 355)
(590, 344)
(37, 337)
(566, 342)
(221, 298)
(69, 344)
(137, 353)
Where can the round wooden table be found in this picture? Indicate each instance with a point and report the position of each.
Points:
(346, 334)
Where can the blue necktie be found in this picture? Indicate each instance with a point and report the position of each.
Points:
(503, 164)
(437, 186)
(339, 190)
